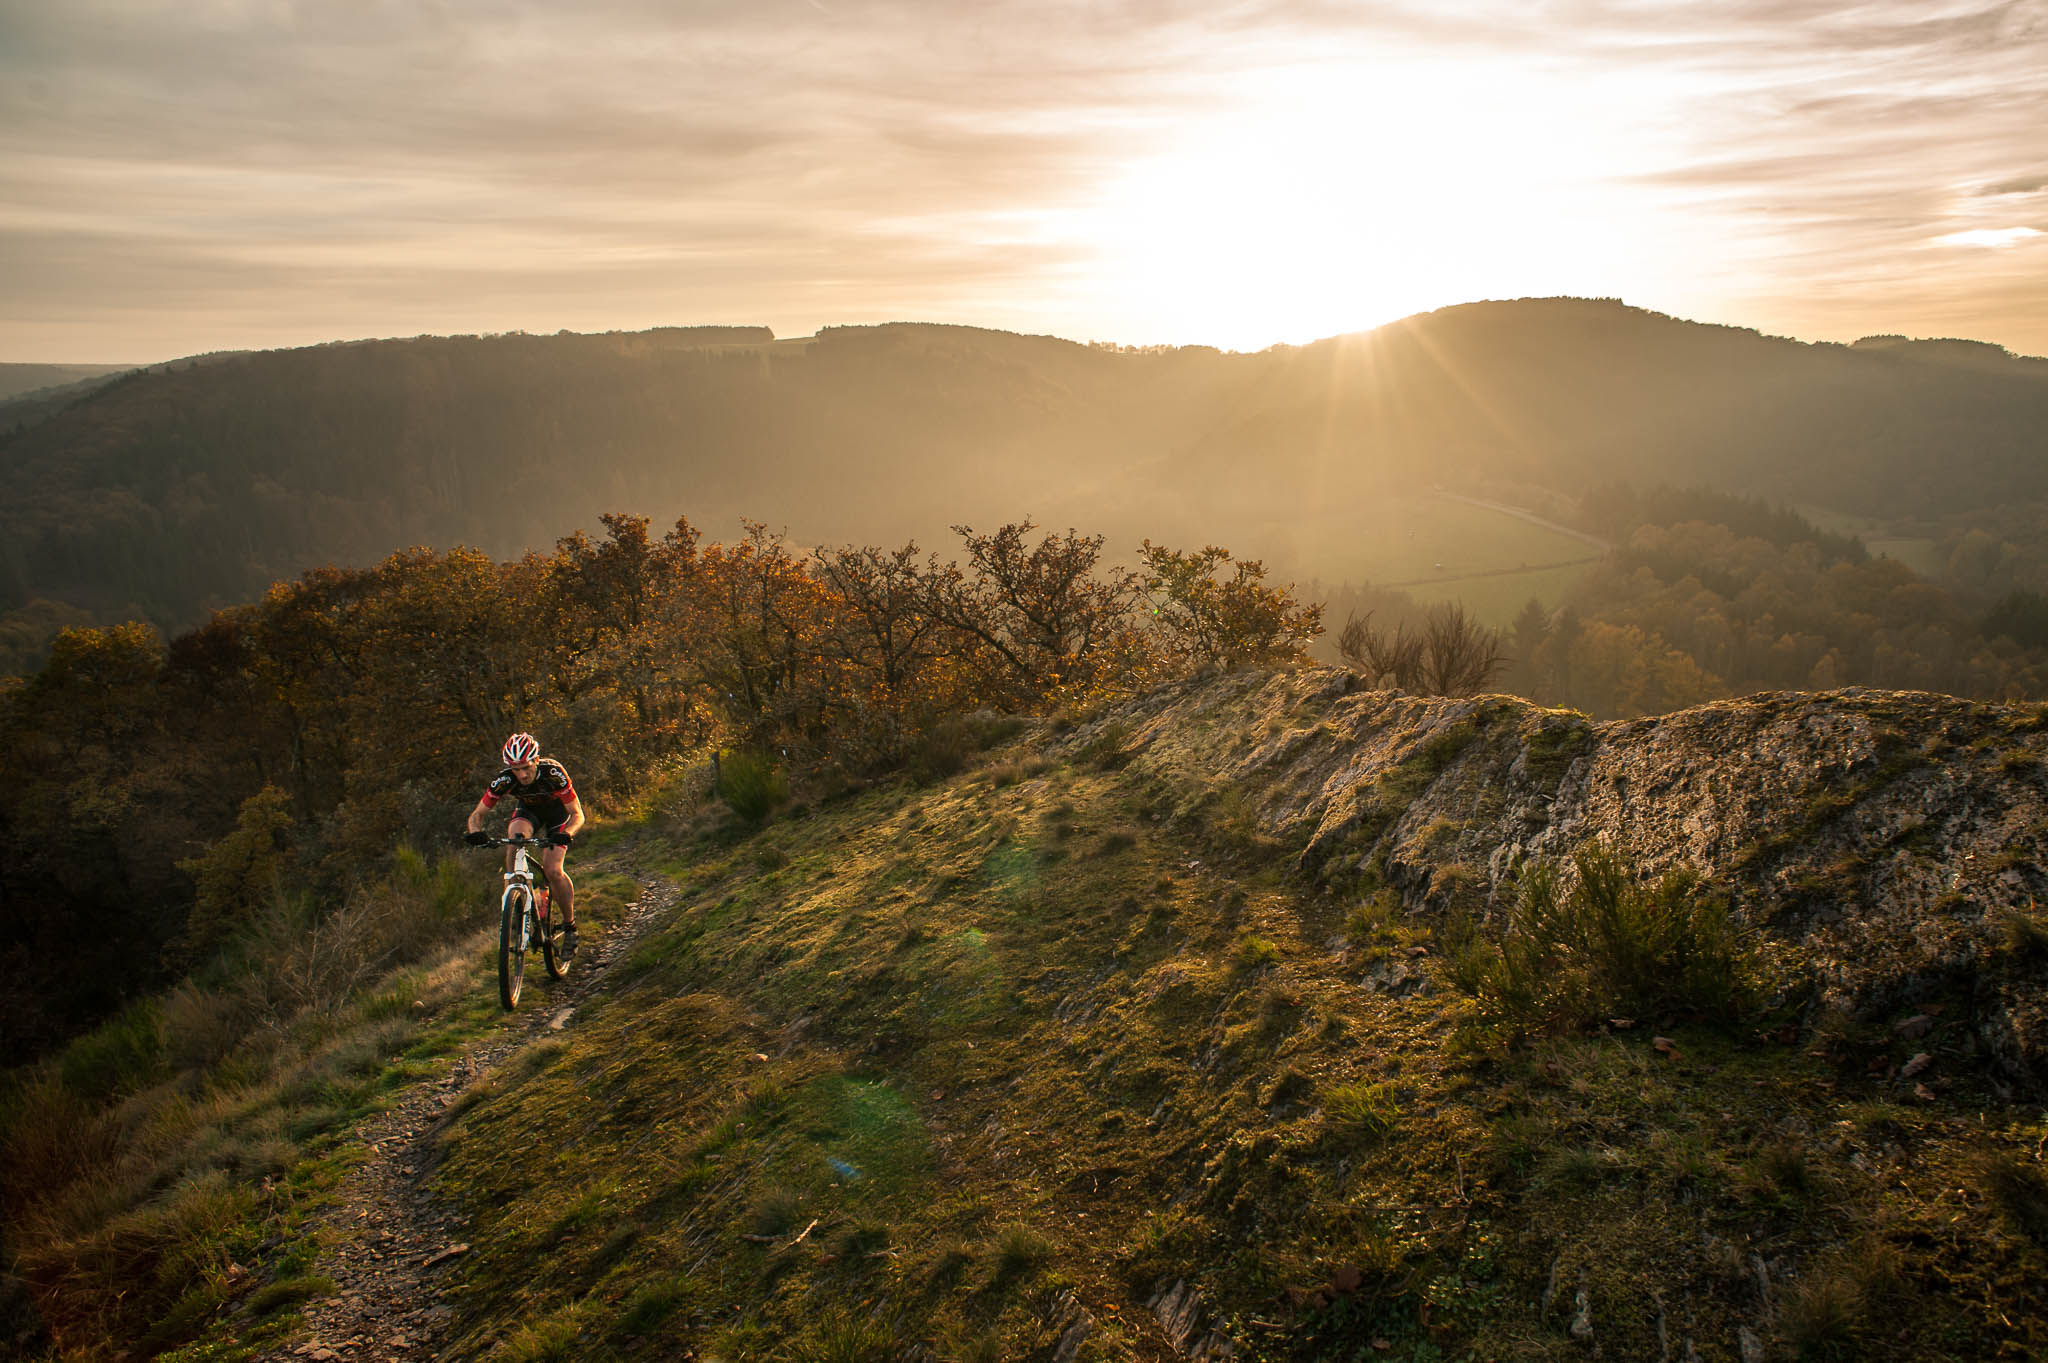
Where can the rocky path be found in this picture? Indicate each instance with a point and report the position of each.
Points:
(395, 1242)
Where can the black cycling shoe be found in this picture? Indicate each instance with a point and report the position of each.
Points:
(569, 940)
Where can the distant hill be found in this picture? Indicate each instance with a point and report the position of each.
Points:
(17, 379)
(176, 490)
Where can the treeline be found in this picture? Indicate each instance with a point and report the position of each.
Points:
(352, 710)
(1707, 596)
(192, 487)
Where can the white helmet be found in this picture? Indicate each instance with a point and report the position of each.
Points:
(521, 748)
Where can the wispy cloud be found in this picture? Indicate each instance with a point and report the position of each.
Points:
(228, 172)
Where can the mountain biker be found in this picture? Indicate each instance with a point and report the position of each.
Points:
(544, 798)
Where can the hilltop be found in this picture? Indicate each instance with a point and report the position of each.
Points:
(187, 487)
(1162, 1032)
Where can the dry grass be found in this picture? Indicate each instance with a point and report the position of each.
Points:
(179, 1137)
(1005, 1059)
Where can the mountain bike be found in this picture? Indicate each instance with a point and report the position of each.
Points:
(523, 923)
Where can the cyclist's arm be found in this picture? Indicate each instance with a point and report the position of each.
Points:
(574, 823)
(476, 816)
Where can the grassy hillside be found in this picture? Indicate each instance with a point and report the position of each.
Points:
(1042, 1056)
(1173, 1028)
(186, 488)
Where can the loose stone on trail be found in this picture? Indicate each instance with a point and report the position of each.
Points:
(443, 1256)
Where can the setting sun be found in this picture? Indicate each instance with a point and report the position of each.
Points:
(1317, 202)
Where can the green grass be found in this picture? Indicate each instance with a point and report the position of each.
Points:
(991, 1079)
(916, 1067)
(207, 1129)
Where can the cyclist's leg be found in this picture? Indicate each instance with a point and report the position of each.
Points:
(520, 827)
(559, 884)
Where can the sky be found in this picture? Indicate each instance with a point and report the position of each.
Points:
(236, 174)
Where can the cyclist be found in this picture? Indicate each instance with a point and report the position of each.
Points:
(543, 798)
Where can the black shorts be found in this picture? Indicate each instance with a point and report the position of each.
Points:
(538, 822)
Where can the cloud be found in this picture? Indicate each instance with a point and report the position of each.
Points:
(1994, 238)
(883, 154)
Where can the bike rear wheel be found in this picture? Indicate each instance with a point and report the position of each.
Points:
(551, 949)
(512, 928)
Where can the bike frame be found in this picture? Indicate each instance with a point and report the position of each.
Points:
(519, 923)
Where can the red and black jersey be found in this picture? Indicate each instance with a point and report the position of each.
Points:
(544, 800)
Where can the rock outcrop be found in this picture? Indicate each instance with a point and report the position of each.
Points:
(1880, 841)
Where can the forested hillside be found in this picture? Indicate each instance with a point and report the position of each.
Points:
(172, 492)
(352, 710)
(1703, 596)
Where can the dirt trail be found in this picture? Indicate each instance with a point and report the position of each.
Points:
(397, 1242)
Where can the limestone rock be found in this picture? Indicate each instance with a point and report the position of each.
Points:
(1876, 839)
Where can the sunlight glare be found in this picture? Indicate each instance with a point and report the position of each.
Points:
(1335, 199)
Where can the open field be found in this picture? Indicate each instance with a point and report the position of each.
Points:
(1438, 549)
(1496, 598)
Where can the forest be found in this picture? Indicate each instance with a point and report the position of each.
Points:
(1706, 595)
(169, 493)
(162, 788)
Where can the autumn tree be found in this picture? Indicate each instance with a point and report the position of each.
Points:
(757, 622)
(904, 663)
(1233, 621)
(1047, 619)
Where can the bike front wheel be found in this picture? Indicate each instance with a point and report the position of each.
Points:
(512, 920)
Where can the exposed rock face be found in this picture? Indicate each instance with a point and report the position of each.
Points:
(1878, 839)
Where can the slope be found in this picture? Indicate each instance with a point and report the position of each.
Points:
(1148, 1038)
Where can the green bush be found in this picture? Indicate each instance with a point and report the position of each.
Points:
(1611, 947)
(751, 784)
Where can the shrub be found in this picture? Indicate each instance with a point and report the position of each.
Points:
(1451, 655)
(1611, 947)
(942, 751)
(1229, 621)
(236, 876)
(751, 784)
